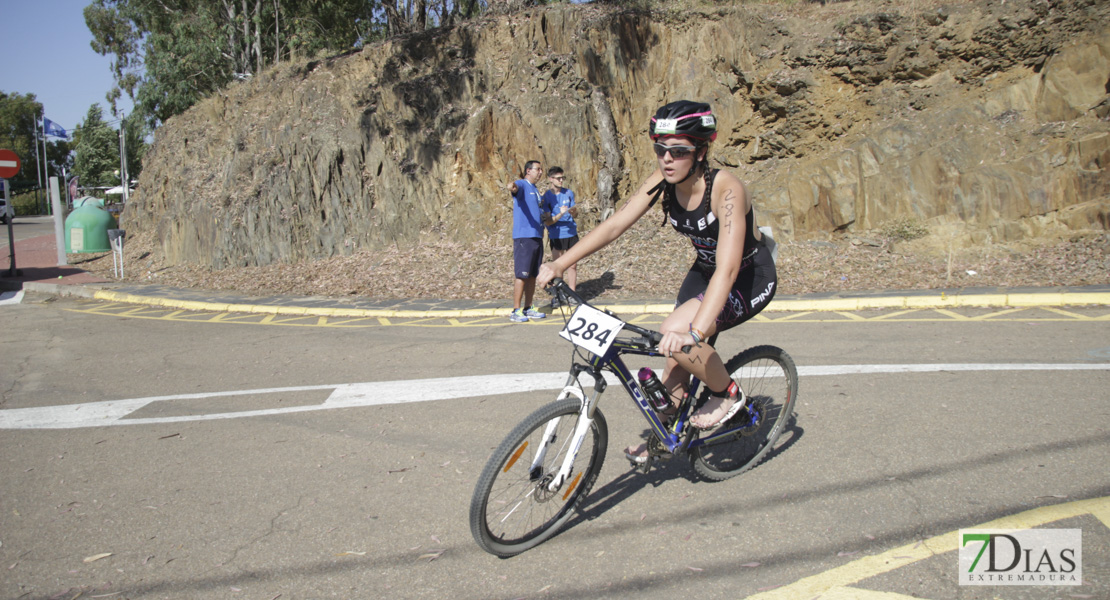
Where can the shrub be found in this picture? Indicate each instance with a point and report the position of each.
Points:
(905, 229)
(26, 204)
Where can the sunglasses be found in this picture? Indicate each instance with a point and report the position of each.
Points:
(677, 152)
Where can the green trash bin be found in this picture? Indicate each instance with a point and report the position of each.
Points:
(87, 227)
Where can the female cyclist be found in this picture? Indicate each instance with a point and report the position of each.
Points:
(733, 276)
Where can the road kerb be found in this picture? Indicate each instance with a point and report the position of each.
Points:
(920, 302)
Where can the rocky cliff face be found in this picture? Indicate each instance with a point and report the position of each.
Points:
(984, 120)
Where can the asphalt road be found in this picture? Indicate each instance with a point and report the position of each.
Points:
(23, 228)
(177, 498)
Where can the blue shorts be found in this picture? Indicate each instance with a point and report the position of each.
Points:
(527, 256)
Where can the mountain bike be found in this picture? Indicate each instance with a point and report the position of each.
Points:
(546, 466)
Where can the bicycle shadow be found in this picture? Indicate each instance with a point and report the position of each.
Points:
(632, 481)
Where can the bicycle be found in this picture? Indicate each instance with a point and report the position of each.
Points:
(546, 466)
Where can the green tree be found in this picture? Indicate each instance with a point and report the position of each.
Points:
(97, 157)
(59, 155)
(183, 65)
(117, 34)
(169, 54)
(18, 116)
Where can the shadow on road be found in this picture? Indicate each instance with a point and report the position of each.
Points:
(632, 481)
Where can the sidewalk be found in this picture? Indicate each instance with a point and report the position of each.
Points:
(37, 259)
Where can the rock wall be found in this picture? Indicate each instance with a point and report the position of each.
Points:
(986, 115)
(1025, 157)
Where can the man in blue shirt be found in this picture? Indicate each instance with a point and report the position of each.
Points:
(558, 210)
(527, 242)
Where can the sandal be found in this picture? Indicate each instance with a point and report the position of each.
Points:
(726, 407)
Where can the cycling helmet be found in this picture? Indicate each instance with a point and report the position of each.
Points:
(691, 119)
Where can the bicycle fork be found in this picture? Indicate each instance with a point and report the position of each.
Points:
(582, 427)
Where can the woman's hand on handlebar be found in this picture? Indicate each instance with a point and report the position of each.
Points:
(675, 342)
(548, 271)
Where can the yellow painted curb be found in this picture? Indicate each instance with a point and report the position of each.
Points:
(834, 581)
(1023, 300)
(1034, 299)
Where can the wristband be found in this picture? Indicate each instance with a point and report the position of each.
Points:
(696, 334)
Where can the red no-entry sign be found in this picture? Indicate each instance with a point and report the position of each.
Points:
(9, 164)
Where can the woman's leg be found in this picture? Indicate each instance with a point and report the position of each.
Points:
(704, 363)
(570, 275)
(702, 359)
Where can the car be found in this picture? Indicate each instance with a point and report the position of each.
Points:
(7, 213)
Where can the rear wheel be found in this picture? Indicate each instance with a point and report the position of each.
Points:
(770, 380)
(515, 506)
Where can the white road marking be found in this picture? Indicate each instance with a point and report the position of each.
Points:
(350, 395)
(11, 297)
(879, 369)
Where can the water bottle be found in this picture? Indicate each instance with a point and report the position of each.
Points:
(657, 396)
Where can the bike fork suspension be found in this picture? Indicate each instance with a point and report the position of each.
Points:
(581, 428)
(580, 431)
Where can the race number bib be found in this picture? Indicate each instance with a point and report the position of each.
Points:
(591, 329)
(665, 126)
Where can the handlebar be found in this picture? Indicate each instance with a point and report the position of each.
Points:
(563, 291)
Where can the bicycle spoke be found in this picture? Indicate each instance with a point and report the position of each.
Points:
(769, 379)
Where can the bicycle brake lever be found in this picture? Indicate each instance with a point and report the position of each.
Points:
(685, 349)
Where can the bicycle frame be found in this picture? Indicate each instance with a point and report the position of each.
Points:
(678, 438)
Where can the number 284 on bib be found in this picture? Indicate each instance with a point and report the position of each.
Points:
(592, 329)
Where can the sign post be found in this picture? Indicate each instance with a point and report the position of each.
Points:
(9, 167)
(59, 220)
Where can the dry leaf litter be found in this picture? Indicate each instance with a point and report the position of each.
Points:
(645, 264)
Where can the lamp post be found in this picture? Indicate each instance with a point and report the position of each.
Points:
(124, 176)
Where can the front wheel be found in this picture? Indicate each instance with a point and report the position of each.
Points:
(516, 505)
(770, 380)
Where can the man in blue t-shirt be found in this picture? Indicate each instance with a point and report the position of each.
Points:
(558, 210)
(527, 242)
